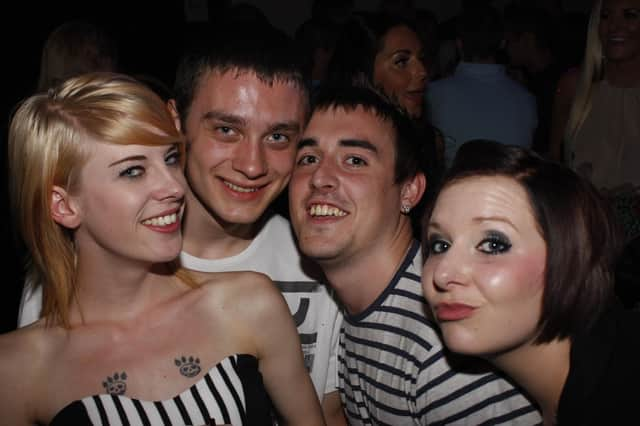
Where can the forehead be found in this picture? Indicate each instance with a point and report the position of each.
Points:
(245, 94)
(401, 38)
(485, 196)
(332, 125)
(100, 152)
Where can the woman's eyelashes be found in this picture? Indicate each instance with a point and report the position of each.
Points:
(132, 172)
(437, 244)
(495, 242)
(171, 159)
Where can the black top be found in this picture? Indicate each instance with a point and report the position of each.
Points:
(601, 388)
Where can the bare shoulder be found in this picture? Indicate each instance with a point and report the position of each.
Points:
(27, 345)
(251, 293)
(24, 356)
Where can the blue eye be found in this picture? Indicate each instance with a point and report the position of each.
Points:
(437, 245)
(278, 137)
(173, 158)
(132, 172)
(495, 243)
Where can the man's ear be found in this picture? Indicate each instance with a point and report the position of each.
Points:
(171, 106)
(412, 190)
(64, 209)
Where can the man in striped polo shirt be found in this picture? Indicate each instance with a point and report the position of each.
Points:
(357, 177)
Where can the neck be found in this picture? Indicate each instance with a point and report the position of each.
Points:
(541, 370)
(207, 237)
(361, 278)
(624, 73)
(119, 289)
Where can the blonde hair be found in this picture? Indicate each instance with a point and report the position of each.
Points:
(47, 147)
(591, 72)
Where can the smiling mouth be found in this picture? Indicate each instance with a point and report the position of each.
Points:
(238, 188)
(165, 220)
(325, 210)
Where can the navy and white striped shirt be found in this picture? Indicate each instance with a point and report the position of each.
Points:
(393, 369)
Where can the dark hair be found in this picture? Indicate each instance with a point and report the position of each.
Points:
(573, 219)
(357, 46)
(411, 142)
(410, 158)
(261, 49)
(481, 32)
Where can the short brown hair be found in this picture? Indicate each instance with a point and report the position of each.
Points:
(575, 222)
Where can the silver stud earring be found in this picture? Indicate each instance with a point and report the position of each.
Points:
(405, 208)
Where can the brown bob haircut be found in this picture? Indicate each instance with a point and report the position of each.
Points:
(573, 219)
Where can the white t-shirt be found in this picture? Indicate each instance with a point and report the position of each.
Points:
(272, 252)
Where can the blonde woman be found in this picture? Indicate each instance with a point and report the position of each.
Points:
(596, 119)
(126, 336)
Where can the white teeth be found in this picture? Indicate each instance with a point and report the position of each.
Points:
(326, 210)
(161, 220)
(239, 188)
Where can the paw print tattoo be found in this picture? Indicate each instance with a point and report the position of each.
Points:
(116, 385)
(189, 367)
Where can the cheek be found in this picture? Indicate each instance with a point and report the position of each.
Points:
(281, 162)
(298, 189)
(512, 279)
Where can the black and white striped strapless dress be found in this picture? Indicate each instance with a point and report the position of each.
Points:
(231, 392)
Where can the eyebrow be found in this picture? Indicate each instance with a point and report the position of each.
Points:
(291, 126)
(224, 117)
(480, 219)
(132, 158)
(358, 143)
(349, 143)
(305, 142)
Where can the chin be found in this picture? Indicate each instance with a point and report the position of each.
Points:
(462, 343)
(247, 216)
(319, 252)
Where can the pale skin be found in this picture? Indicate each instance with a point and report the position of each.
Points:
(346, 162)
(133, 316)
(485, 272)
(241, 131)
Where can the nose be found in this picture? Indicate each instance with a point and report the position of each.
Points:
(250, 160)
(448, 269)
(170, 185)
(324, 177)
